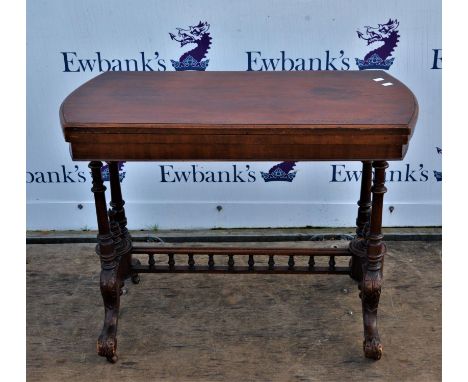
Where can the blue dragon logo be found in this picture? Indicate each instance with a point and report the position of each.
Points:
(388, 37)
(193, 59)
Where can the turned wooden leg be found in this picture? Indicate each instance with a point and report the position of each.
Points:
(117, 216)
(371, 283)
(109, 281)
(358, 246)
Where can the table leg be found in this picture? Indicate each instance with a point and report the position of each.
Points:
(371, 283)
(358, 246)
(109, 281)
(117, 217)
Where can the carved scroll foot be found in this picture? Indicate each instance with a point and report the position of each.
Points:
(135, 277)
(370, 294)
(107, 347)
(110, 290)
(373, 348)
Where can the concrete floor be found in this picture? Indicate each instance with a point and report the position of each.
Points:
(233, 328)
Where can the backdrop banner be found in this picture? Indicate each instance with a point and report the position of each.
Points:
(69, 43)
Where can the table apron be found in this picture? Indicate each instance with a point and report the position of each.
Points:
(234, 152)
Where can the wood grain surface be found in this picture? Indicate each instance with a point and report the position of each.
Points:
(275, 99)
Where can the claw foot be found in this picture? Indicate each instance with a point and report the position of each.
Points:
(107, 347)
(372, 348)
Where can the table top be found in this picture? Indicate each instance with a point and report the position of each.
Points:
(159, 109)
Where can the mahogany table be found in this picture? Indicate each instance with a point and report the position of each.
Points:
(366, 116)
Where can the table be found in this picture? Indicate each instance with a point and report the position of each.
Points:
(366, 116)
